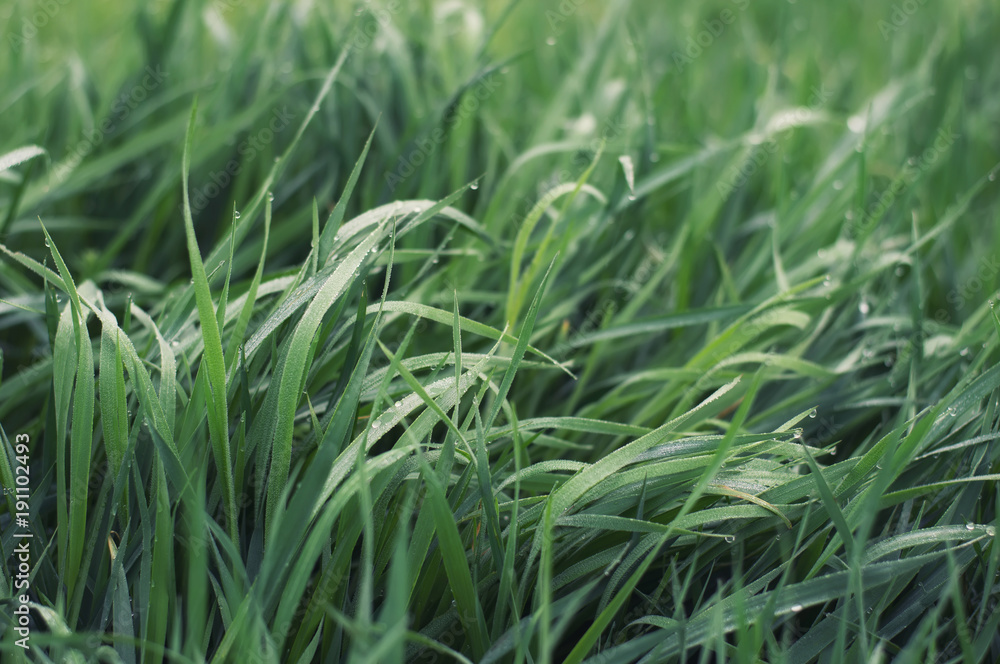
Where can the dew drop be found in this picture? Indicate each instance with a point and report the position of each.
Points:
(990, 531)
(964, 352)
(864, 308)
(398, 404)
(270, 196)
(970, 526)
(237, 214)
(730, 539)
(992, 176)
(812, 414)
(474, 185)
(376, 424)
(796, 608)
(551, 41)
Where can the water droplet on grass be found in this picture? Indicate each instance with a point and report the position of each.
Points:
(628, 168)
(237, 214)
(864, 308)
(474, 185)
(398, 404)
(730, 539)
(796, 608)
(970, 526)
(551, 41)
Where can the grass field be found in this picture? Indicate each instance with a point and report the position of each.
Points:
(499, 332)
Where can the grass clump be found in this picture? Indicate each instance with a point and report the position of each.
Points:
(501, 332)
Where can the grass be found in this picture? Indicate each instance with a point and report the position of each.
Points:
(500, 332)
